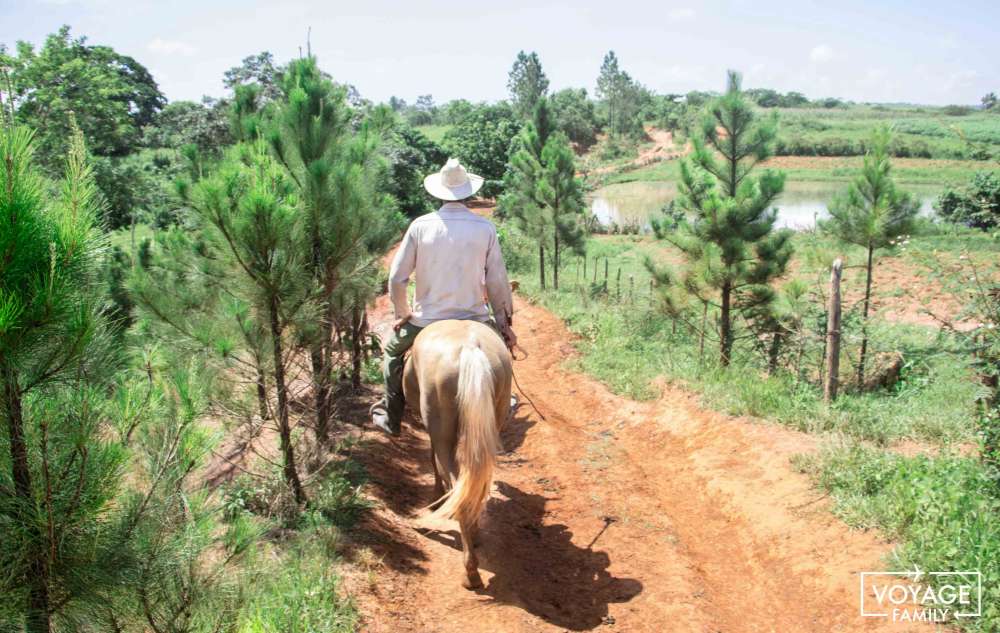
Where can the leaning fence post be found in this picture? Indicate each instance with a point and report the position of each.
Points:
(833, 334)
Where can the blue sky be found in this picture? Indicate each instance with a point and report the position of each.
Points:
(865, 50)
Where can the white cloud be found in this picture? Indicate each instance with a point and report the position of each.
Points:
(171, 47)
(821, 53)
(685, 13)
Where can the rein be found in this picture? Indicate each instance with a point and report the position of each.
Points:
(518, 385)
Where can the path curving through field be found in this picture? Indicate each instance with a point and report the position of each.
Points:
(614, 515)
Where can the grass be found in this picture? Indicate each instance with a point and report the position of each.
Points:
(919, 131)
(434, 132)
(943, 510)
(292, 586)
(933, 147)
(631, 345)
(296, 590)
(916, 171)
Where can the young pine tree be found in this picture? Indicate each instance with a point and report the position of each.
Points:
(561, 199)
(249, 211)
(520, 198)
(187, 575)
(728, 238)
(872, 213)
(336, 170)
(79, 538)
(60, 467)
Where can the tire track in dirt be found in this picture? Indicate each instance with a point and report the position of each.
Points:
(613, 513)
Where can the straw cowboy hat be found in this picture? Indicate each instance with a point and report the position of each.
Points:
(452, 182)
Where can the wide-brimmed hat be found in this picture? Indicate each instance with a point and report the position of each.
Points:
(452, 182)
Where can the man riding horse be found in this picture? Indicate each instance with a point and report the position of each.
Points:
(455, 256)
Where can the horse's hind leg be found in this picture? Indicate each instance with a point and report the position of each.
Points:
(470, 533)
(438, 482)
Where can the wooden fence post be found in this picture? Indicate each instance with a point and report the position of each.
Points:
(833, 334)
(631, 288)
(605, 275)
(618, 289)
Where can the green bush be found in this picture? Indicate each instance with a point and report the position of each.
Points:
(976, 204)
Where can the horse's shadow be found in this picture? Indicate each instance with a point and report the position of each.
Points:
(538, 567)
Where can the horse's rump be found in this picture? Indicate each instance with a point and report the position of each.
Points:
(460, 374)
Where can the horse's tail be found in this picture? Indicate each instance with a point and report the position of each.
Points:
(479, 439)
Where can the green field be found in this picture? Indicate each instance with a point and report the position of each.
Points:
(920, 132)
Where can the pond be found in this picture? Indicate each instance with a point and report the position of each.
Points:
(801, 204)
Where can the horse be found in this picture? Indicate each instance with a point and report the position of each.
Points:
(459, 374)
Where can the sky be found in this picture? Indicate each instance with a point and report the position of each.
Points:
(914, 51)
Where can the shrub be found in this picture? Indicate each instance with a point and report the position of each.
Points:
(976, 204)
(956, 110)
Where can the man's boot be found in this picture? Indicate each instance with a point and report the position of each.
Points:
(380, 418)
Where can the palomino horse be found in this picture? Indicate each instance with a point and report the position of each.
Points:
(460, 373)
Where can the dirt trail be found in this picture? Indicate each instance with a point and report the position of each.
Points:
(662, 148)
(636, 516)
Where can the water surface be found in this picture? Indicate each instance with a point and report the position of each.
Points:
(799, 206)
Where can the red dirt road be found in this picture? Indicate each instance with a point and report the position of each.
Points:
(616, 515)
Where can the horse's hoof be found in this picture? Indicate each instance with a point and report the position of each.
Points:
(473, 581)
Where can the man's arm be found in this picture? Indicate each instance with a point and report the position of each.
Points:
(498, 286)
(402, 267)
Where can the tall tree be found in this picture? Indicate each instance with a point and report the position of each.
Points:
(728, 240)
(338, 174)
(78, 534)
(258, 69)
(609, 87)
(623, 99)
(526, 83)
(872, 213)
(111, 96)
(482, 140)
